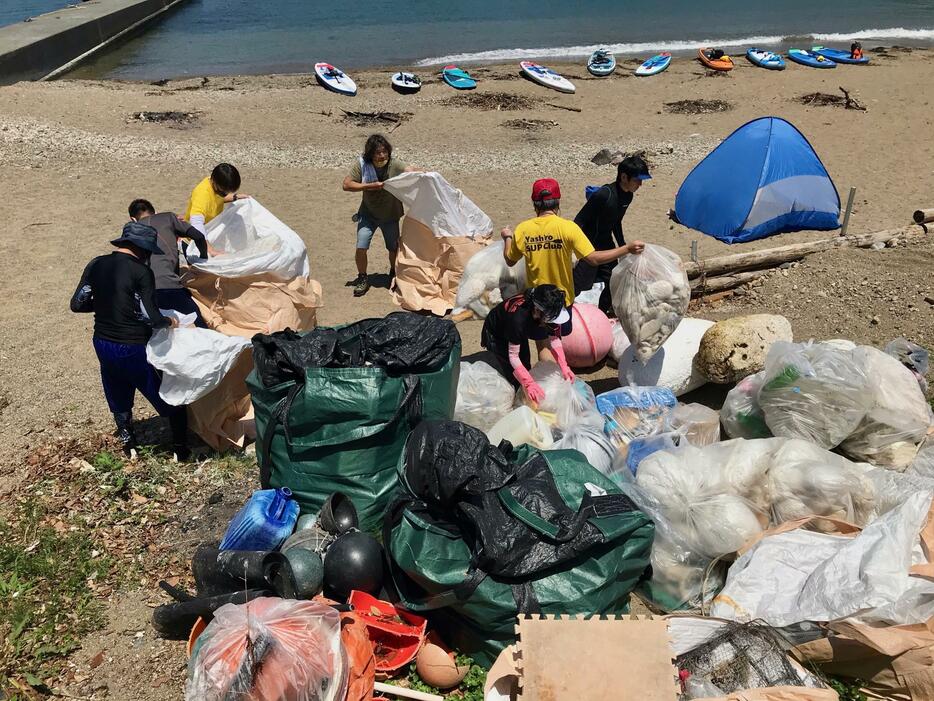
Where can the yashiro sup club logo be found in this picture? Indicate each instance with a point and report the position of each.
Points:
(543, 242)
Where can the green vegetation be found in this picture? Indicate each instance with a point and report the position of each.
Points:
(470, 689)
(82, 523)
(847, 689)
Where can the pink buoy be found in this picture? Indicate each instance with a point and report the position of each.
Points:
(591, 336)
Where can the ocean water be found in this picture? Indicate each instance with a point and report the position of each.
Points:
(263, 36)
(12, 11)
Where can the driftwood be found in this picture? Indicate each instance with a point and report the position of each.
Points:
(771, 257)
(703, 286)
(564, 107)
(850, 103)
(923, 216)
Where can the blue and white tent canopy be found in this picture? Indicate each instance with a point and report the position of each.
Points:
(763, 179)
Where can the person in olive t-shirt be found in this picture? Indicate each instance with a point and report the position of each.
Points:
(378, 208)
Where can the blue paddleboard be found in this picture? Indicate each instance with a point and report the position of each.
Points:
(838, 55)
(601, 63)
(765, 59)
(654, 65)
(458, 78)
(808, 58)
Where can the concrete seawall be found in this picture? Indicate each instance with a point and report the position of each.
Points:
(58, 40)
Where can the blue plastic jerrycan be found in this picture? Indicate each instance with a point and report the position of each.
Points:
(264, 522)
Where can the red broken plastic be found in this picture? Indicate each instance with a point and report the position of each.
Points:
(396, 634)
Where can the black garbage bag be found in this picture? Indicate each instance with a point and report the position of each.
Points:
(402, 342)
(506, 505)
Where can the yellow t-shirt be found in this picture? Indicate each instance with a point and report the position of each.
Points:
(204, 201)
(547, 244)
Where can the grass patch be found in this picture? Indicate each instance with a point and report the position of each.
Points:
(847, 689)
(83, 523)
(470, 689)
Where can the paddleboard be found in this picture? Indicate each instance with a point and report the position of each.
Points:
(546, 76)
(838, 55)
(806, 58)
(654, 65)
(765, 59)
(406, 83)
(601, 62)
(335, 79)
(458, 78)
(722, 63)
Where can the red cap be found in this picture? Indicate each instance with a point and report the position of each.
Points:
(546, 189)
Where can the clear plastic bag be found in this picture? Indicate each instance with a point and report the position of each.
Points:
(898, 414)
(487, 280)
(633, 412)
(923, 464)
(566, 404)
(270, 649)
(620, 341)
(806, 480)
(699, 688)
(892, 489)
(483, 395)
(813, 391)
(521, 426)
(741, 414)
(913, 357)
(592, 443)
(641, 448)
(650, 293)
(696, 422)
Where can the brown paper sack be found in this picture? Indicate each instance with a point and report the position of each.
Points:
(429, 268)
(223, 418)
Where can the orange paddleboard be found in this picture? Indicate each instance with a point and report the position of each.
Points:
(725, 63)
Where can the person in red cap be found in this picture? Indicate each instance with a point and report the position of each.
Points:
(548, 241)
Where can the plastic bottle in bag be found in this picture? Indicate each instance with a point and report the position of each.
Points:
(521, 426)
(741, 414)
(813, 391)
(650, 294)
(264, 522)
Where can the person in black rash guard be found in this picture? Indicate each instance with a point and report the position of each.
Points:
(120, 290)
(538, 314)
(170, 292)
(601, 219)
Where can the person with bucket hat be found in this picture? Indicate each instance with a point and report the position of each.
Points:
(548, 242)
(538, 314)
(120, 290)
(601, 219)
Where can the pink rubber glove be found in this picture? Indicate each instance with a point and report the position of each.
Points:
(557, 348)
(532, 389)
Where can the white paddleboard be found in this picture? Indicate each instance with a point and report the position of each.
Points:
(335, 79)
(547, 77)
(406, 82)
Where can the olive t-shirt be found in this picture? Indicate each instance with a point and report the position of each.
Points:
(379, 204)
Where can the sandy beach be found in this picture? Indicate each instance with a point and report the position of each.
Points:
(72, 156)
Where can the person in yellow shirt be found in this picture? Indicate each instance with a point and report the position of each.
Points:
(208, 198)
(547, 242)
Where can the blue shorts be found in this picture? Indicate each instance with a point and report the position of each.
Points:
(366, 227)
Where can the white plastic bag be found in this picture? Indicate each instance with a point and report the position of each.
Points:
(592, 443)
(443, 208)
(809, 576)
(591, 296)
(271, 649)
(193, 361)
(650, 294)
(813, 391)
(923, 464)
(696, 422)
(253, 241)
(806, 480)
(487, 280)
(566, 404)
(898, 417)
(620, 341)
(741, 414)
(521, 426)
(483, 395)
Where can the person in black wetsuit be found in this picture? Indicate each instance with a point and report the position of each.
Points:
(120, 290)
(601, 219)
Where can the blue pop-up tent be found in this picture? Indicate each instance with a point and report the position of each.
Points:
(763, 179)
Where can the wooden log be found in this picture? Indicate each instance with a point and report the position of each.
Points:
(564, 107)
(704, 286)
(923, 216)
(771, 257)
